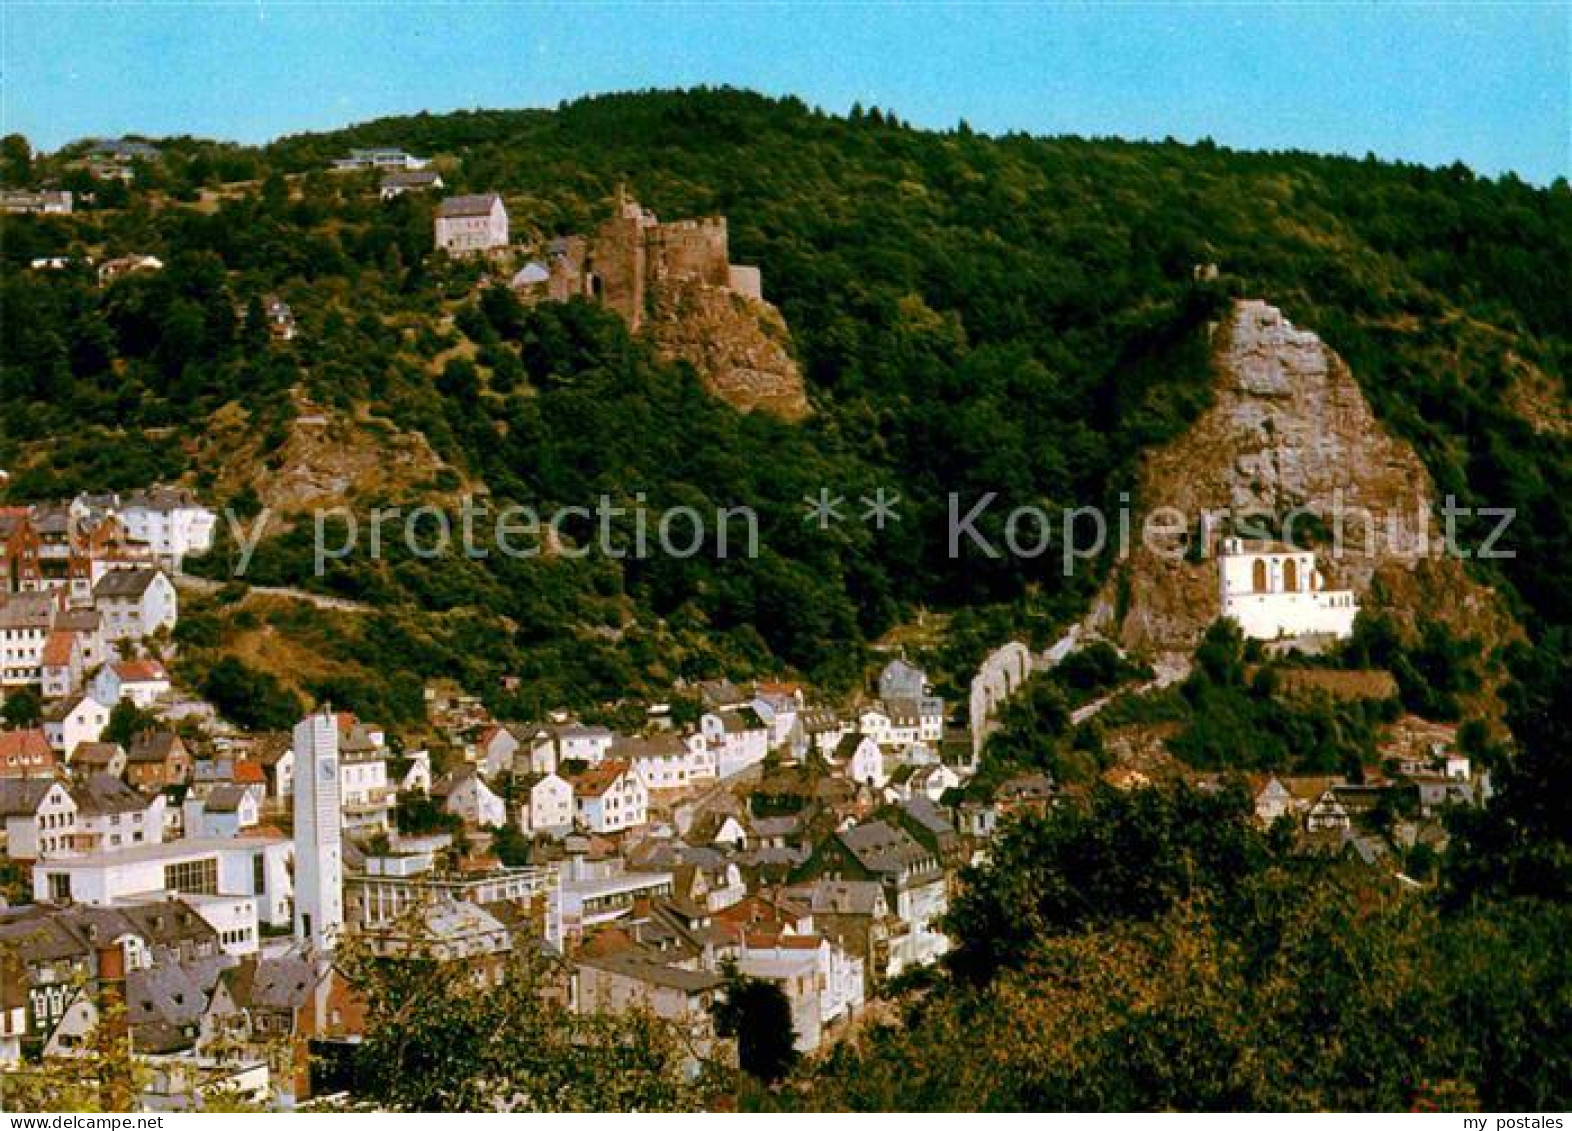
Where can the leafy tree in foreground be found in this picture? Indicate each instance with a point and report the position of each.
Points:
(757, 1014)
(1119, 856)
(440, 1037)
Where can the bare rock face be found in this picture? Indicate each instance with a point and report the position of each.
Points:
(738, 346)
(329, 458)
(1290, 430)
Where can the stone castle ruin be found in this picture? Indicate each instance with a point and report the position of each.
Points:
(999, 677)
(627, 260)
(676, 282)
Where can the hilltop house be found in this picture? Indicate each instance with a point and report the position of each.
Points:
(468, 225)
(399, 182)
(113, 269)
(383, 157)
(47, 202)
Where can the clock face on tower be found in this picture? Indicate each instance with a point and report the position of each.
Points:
(327, 770)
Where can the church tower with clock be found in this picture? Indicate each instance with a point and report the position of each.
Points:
(319, 861)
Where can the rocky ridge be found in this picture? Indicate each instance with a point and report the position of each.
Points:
(1289, 430)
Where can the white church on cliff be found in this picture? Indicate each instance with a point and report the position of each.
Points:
(1275, 591)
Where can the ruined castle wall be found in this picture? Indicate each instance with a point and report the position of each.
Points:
(1001, 675)
(745, 281)
(691, 249)
(618, 261)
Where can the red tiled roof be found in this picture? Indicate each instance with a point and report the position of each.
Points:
(762, 939)
(140, 671)
(57, 649)
(23, 751)
(598, 779)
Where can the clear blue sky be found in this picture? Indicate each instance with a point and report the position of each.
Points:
(1488, 84)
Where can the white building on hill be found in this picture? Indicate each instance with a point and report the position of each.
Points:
(1274, 591)
(469, 224)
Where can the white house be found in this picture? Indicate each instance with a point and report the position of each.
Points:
(862, 760)
(820, 729)
(26, 623)
(465, 794)
(495, 750)
(610, 797)
(660, 760)
(1273, 799)
(397, 183)
(779, 711)
(72, 721)
(110, 815)
(86, 624)
(579, 742)
(39, 816)
(382, 157)
(223, 810)
(1273, 591)
(60, 664)
(546, 748)
(278, 766)
(143, 682)
(367, 802)
(546, 807)
(135, 603)
(703, 759)
(932, 781)
(466, 225)
(170, 521)
(738, 737)
(417, 774)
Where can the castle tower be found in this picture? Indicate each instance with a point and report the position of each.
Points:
(319, 862)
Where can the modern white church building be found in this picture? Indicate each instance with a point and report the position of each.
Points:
(1274, 591)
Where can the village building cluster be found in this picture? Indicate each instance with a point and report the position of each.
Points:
(209, 875)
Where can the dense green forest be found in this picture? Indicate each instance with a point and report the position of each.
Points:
(973, 314)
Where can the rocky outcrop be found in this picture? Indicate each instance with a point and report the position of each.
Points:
(1289, 431)
(327, 458)
(737, 345)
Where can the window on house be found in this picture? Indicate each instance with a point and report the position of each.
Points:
(193, 877)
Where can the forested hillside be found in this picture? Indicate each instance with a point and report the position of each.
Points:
(973, 314)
